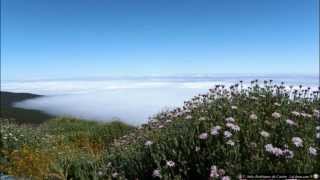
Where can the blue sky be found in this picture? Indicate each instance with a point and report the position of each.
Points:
(80, 38)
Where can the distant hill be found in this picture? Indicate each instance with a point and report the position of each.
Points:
(20, 115)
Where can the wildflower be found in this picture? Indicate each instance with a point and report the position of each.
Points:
(297, 141)
(114, 175)
(295, 113)
(197, 148)
(276, 115)
(230, 119)
(214, 172)
(253, 117)
(265, 134)
(161, 126)
(268, 147)
(202, 119)
(148, 143)
(188, 117)
(169, 120)
(233, 126)
(171, 163)
(203, 136)
(277, 151)
(306, 115)
(230, 142)
(313, 151)
(318, 128)
(225, 178)
(288, 153)
(156, 173)
(273, 150)
(215, 130)
(221, 172)
(318, 135)
(277, 104)
(290, 122)
(227, 134)
(234, 107)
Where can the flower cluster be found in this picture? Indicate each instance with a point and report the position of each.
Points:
(297, 141)
(278, 152)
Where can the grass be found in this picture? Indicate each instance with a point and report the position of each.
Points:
(223, 134)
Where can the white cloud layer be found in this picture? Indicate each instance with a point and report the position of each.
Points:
(133, 101)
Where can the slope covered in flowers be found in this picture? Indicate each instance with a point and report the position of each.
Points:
(223, 134)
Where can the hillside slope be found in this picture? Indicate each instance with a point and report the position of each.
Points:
(18, 114)
(225, 133)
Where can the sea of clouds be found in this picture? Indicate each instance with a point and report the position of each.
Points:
(132, 100)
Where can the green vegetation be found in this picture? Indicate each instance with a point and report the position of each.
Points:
(223, 134)
(62, 148)
(219, 135)
(18, 114)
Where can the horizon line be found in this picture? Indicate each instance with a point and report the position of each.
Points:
(173, 76)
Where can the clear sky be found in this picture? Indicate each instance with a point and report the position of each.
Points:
(79, 38)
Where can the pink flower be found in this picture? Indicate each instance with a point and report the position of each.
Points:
(225, 178)
(203, 136)
(214, 172)
(234, 127)
(288, 153)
